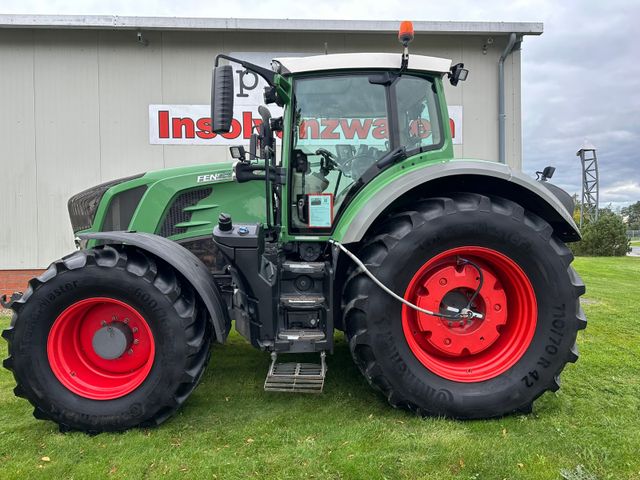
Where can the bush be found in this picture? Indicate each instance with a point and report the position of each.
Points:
(606, 237)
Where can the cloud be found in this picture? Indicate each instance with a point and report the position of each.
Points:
(620, 192)
(580, 81)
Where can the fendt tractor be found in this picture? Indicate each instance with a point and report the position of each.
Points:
(450, 278)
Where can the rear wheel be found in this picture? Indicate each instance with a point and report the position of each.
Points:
(490, 365)
(107, 339)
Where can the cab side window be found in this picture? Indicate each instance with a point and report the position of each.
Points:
(418, 125)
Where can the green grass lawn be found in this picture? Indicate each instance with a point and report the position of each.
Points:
(635, 243)
(231, 428)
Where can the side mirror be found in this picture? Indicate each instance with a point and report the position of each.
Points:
(458, 74)
(222, 98)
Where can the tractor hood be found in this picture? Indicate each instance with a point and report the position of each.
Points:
(178, 202)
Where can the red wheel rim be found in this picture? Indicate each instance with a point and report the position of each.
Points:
(478, 349)
(77, 364)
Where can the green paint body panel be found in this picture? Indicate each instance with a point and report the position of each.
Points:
(245, 202)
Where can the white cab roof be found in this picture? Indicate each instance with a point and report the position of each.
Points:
(341, 61)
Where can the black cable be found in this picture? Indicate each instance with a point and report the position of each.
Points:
(480, 283)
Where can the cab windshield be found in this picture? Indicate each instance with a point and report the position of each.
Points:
(343, 124)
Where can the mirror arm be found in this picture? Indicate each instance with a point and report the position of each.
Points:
(265, 73)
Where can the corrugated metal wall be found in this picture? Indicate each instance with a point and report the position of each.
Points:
(74, 112)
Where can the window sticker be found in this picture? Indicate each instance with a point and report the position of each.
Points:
(320, 210)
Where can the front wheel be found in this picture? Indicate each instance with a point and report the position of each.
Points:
(107, 339)
(446, 254)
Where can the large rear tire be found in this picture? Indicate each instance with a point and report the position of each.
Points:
(107, 339)
(469, 369)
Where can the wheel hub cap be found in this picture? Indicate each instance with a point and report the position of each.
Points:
(111, 341)
(448, 291)
(470, 349)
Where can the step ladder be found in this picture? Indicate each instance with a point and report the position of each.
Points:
(296, 377)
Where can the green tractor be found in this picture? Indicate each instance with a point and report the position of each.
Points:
(451, 279)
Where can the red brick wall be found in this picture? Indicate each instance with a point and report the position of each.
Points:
(16, 280)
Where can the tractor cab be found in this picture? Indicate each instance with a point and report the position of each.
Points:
(347, 126)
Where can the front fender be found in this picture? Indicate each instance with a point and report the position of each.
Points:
(185, 262)
(473, 175)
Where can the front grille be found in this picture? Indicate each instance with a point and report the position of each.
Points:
(83, 206)
(176, 213)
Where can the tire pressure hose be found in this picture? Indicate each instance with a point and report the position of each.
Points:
(462, 313)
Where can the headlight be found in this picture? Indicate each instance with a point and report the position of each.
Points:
(83, 206)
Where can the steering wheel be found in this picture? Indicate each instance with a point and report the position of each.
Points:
(332, 160)
(360, 163)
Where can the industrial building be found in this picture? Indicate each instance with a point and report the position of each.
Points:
(87, 99)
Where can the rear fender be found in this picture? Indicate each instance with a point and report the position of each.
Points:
(489, 178)
(185, 262)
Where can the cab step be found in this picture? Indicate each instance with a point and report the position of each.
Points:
(301, 335)
(296, 377)
(297, 301)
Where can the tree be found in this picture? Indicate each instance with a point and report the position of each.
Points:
(606, 237)
(632, 214)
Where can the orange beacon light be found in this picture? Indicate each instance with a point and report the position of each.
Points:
(405, 33)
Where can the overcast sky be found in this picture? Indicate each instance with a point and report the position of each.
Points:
(580, 78)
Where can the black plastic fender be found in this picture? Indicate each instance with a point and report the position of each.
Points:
(185, 262)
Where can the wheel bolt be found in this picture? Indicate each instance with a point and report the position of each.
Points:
(447, 341)
(103, 323)
(126, 320)
(136, 341)
(114, 319)
(497, 307)
(443, 281)
(72, 373)
(134, 329)
(130, 352)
